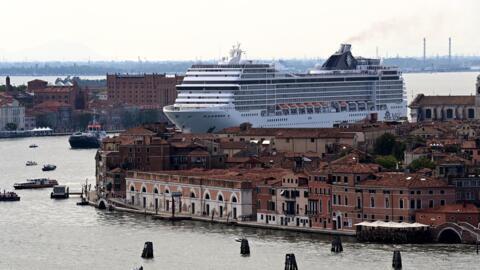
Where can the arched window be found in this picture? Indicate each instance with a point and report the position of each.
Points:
(234, 199)
(132, 188)
(220, 198)
(167, 191)
(144, 189)
(207, 196)
(192, 195)
(155, 191)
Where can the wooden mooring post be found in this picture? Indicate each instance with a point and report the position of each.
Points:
(397, 260)
(244, 247)
(337, 245)
(290, 262)
(147, 250)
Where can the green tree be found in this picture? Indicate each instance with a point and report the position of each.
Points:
(388, 162)
(384, 144)
(11, 126)
(399, 150)
(421, 163)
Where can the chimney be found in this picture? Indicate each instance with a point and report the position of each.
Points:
(449, 49)
(424, 50)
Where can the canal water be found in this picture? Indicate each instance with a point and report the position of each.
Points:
(40, 233)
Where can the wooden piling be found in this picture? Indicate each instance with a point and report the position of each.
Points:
(337, 246)
(397, 260)
(244, 248)
(290, 262)
(147, 250)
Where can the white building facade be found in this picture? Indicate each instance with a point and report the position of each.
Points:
(11, 112)
(226, 199)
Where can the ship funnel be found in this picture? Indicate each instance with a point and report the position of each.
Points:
(344, 48)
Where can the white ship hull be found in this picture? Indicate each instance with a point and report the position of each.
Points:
(203, 120)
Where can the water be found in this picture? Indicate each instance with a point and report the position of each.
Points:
(40, 233)
(19, 80)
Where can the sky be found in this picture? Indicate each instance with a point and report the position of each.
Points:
(157, 30)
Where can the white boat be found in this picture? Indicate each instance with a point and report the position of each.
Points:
(345, 89)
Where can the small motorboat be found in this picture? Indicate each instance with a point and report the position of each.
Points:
(9, 196)
(36, 183)
(31, 163)
(33, 146)
(60, 192)
(48, 167)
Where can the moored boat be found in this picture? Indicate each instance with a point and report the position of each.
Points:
(9, 196)
(60, 192)
(36, 183)
(49, 167)
(91, 138)
(33, 146)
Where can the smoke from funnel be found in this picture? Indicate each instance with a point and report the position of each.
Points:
(400, 28)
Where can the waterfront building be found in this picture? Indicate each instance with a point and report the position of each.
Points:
(153, 148)
(149, 91)
(70, 95)
(214, 194)
(12, 114)
(454, 213)
(288, 204)
(446, 108)
(36, 85)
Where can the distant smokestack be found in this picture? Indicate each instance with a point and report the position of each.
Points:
(449, 49)
(424, 50)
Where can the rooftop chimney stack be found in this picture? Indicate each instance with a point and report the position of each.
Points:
(449, 49)
(424, 50)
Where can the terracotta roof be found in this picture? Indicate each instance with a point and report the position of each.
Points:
(54, 89)
(453, 159)
(458, 208)
(420, 150)
(138, 131)
(235, 174)
(404, 180)
(469, 145)
(422, 100)
(354, 168)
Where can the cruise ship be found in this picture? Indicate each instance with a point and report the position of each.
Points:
(345, 89)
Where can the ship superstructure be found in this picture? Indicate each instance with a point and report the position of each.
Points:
(344, 89)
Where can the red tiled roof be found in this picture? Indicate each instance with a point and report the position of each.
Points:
(138, 131)
(403, 180)
(469, 145)
(54, 89)
(422, 100)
